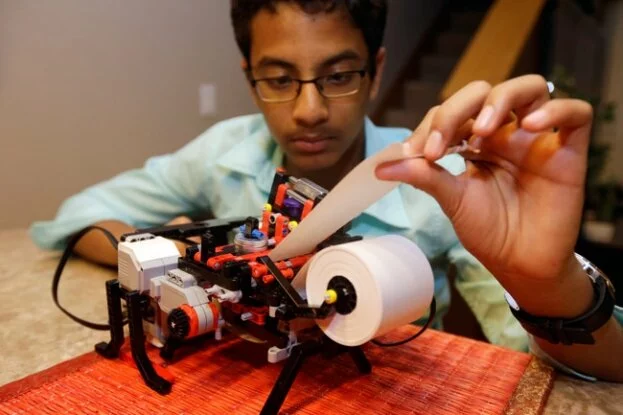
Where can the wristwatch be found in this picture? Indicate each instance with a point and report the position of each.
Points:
(576, 330)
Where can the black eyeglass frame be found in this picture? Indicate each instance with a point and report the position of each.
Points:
(361, 72)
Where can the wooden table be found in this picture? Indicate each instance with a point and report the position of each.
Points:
(36, 335)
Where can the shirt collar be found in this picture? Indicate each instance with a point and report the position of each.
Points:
(258, 155)
(249, 156)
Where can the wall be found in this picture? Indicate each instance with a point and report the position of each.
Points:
(613, 87)
(92, 88)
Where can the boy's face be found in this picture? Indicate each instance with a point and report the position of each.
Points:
(313, 131)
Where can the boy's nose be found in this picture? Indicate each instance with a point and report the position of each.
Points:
(310, 108)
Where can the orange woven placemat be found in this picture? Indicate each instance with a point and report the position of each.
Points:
(437, 373)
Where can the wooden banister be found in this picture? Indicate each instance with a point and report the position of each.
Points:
(497, 45)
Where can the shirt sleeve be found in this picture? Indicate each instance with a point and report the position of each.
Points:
(165, 186)
(485, 297)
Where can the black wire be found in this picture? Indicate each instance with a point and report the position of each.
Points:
(104, 327)
(431, 316)
(61, 265)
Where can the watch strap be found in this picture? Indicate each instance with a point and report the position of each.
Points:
(576, 330)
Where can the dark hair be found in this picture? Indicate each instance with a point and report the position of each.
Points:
(368, 15)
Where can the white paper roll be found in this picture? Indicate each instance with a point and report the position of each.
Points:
(391, 276)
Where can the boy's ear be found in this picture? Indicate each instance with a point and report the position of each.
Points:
(244, 65)
(380, 65)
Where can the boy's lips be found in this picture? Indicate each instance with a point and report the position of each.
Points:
(311, 143)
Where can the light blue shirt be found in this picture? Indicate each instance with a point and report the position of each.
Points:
(228, 171)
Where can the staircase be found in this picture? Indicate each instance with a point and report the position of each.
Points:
(424, 77)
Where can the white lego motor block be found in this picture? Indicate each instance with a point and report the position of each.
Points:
(179, 287)
(141, 259)
(170, 291)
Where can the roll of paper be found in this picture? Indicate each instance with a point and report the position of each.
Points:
(392, 279)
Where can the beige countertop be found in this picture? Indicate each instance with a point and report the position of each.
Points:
(37, 335)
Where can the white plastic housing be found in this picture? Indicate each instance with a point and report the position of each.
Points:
(180, 288)
(142, 260)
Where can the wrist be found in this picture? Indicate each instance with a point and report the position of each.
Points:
(569, 295)
(569, 317)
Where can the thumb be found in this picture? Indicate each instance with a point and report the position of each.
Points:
(427, 176)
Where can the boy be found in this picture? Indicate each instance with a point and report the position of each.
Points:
(312, 68)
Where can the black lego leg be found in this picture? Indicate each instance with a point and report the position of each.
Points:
(362, 362)
(332, 349)
(137, 342)
(115, 321)
(170, 346)
(286, 379)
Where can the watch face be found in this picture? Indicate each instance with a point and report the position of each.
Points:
(594, 272)
(511, 301)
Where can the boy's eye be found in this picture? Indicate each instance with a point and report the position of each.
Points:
(280, 82)
(339, 78)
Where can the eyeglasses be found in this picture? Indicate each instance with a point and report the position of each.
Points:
(286, 88)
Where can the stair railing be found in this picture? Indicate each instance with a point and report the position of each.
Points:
(498, 43)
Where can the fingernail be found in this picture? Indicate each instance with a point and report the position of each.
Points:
(434, 145)
(390, 171)
(476, 142)
(409, 148)
(537, 117)
(484, 118)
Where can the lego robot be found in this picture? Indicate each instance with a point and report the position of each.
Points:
(226, 283)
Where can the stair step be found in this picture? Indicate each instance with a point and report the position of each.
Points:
(466, 22)
(418, 94)
(436, 68)
(452, 43)
(403, 118)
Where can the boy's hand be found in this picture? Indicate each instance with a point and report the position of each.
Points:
(181, 220)
(518, 205)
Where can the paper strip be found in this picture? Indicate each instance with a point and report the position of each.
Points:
(351, 196)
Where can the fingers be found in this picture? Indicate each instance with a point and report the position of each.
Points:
(561, 113)
(538, 153)
(494, 107)
(180, 220)
(444, 125)
(451, 115)
(572, 116)
(531, 144)
(429, 177)
(519, 94)
(521, 102)
(417, 139)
